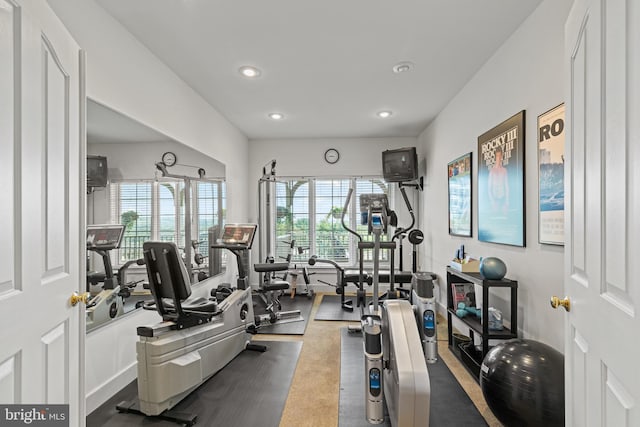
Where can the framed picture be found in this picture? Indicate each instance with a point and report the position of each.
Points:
(551, 176)
(501, 203)
(459, 172)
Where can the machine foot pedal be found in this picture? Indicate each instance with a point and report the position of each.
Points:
(178, 417)
(256, 347)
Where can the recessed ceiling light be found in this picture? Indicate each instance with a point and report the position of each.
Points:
(403, 67)
(250, 72)
(276, 116)
(384, 114)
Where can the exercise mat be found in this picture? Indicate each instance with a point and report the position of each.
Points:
(450, 405)
(330, 309)
(250, 391)
(286, 327)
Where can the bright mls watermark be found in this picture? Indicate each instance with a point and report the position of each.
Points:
(34, 415)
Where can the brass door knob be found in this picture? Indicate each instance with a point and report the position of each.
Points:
(555, 302)
(76, 298)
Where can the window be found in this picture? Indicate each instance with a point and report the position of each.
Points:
(331, 239)
(132, 206)
(309, 210)
(155, 211)
(292, 218)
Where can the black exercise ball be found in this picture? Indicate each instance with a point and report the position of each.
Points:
(523, 383)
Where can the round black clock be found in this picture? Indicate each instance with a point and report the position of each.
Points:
(169, 158)
(331, 156)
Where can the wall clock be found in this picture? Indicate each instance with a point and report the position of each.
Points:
(169, 158)
(331, 156)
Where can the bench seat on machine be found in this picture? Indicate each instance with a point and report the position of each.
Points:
(270, 267)
(353, 276)
(196, 304)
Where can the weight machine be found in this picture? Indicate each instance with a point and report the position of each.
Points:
(271, 288)
(190, 246)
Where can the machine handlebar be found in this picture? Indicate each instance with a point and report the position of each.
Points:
(401, 230)
(314, 259)
(344, 212)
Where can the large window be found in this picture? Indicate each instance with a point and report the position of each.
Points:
(156, 211)
(309, 210)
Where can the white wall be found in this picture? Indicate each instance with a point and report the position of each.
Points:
(526, 73)
(305, 157)
(125, 76)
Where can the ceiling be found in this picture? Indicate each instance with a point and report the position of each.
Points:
(326, 65)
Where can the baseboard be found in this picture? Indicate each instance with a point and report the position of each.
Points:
(98, 396)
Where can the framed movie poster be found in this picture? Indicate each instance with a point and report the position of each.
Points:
(551, 176)
(459, 172)
(501, 183)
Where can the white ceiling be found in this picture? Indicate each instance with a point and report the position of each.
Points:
(327, 65)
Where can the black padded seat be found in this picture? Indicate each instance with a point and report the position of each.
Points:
(268, 267)
(171, 288)
(353, 276)
(197, 304)
(200, 304)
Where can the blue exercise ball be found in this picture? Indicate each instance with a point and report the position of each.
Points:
(493, 268)
(523, 383)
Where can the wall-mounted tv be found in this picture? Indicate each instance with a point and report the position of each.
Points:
(97, 172)
(400, 165)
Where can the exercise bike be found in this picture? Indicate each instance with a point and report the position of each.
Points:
(197, 336)
(109, 302)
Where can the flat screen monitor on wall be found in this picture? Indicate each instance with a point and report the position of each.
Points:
(400, 165)
(97, 172)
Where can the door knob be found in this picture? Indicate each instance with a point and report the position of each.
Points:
(76, 298)
(555, 302)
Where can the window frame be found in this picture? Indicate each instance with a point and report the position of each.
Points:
(353, 217)
(115, 206)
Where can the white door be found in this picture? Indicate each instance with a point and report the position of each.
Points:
(41, 210)
(602, 273)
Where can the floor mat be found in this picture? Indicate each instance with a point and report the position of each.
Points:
(250, 391)
(302, 303)
(450, 405)
(330, 309)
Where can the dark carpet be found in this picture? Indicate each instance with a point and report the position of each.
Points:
(450, 405)
(302, 303)
(330, 309)
(250, 391)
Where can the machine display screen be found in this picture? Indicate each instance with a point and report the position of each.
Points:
(105, 237)
(239, 234)
(374, 380)
(429, 321)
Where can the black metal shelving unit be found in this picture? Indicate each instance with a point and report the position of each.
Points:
(470, 360)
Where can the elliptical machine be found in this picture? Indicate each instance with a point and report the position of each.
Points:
(395, 368)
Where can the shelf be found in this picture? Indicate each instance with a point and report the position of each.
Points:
(468, 361)
(474, 323)
(477, 279)
(475, 326)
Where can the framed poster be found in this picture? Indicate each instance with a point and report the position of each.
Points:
(551, 176)
(501, 183)
(459, 172)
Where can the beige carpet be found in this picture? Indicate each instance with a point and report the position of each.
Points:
(314, 394)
